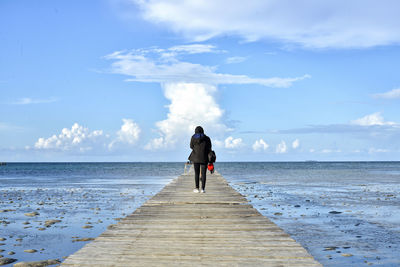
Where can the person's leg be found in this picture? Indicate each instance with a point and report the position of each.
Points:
(196, 174)
(203, 176)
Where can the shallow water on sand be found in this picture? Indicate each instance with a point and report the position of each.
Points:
(344, 213)
(84, 197)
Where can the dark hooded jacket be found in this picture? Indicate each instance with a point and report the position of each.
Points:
(200, 145)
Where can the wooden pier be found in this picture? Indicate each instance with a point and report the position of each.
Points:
(180, 228)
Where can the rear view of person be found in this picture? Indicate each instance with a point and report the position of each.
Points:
(201, 146)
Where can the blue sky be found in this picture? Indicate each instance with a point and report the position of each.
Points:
(129, 80)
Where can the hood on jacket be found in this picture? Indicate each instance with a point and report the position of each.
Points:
(199, 129)
(199, 135)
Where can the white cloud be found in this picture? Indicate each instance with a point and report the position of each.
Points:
(27, 101)
(310, 23)
(372, 119)
(192, 104)
(76, 138)
(395, 93)
(163, 66)
(260, 145)
(296, 144)
(81, 139)
(190, 87)
(281, 147)
(232, 143)
(234, 60)
(128, 134)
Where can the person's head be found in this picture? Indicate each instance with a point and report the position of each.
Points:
(199, 129)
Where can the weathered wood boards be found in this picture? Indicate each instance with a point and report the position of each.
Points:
(180, 228)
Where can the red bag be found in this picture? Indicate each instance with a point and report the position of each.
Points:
(211, 167)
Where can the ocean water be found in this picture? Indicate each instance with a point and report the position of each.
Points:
(344, 213)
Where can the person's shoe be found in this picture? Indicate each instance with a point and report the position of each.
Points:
(196, 190)
(203, 190)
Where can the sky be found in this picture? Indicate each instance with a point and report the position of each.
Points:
(129, 80)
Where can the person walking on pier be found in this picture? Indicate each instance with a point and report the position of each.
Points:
(201, 146)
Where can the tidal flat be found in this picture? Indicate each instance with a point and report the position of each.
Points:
(344, 214)
(48, 212)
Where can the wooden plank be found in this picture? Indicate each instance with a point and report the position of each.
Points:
(179, 227)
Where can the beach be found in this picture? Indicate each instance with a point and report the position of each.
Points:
(344, 214)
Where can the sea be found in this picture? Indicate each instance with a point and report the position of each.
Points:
(343, 213)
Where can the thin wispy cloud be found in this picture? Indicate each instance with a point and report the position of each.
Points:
(159, 65)
(328, 151)
(235, 60)
(7, 127)
(308, 23)
(4, 126)
(373, 150)
(195, 49)
(392, 94)
(29, 101)
(373, 124)
(342, 129)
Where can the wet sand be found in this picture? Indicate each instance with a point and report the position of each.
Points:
(344, 214)
(340, 225)
(49, 224)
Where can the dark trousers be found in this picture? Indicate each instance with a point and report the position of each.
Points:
(197, 168)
